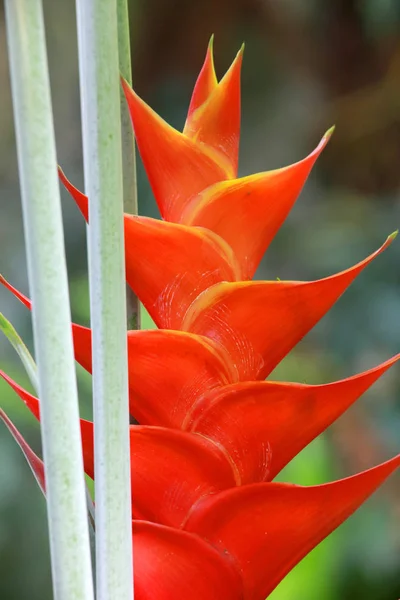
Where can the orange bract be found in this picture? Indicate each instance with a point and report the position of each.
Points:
(209, 523)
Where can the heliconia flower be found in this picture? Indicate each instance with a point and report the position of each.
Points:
(209, 522)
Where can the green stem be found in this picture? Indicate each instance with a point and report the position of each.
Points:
(66, 503)
(99, 75)
(128, 146)
(22, 351)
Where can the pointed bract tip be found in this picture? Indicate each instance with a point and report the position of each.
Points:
(241, 50)
(35, 463)
(125, 85)
(210, 56)
(61, 175)
(393, 236)
(330, 131)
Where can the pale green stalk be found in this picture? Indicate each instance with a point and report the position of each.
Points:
(101, 123)
(66, 503)
(128, 145)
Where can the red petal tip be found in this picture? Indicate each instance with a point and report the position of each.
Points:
(80, 198)
(268, 318)
(206, 81)
(263, 424)
(35, 463)
(269, 527)
(262, 202)
(28, 399)
(25, 301)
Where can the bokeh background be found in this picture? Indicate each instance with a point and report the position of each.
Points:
(307, 65)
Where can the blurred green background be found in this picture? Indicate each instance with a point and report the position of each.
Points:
(307, 65)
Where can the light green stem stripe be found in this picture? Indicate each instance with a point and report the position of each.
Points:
(128, 145)
(22, 351)
(100, 98)
(66, 502)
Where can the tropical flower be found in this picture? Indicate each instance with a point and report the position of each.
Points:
(209, 522)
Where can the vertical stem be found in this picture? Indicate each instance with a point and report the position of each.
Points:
(128, 145)
(66, 503)
(99, 75)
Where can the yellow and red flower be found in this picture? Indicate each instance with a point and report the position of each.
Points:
(209, 522)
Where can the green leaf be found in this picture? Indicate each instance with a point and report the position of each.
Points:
(22, 351)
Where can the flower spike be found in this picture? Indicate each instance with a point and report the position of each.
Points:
(287, 522)
(176, 166)
(208, 522)
(247, 212)
(259, 322)
(35, 463)
(264, 424)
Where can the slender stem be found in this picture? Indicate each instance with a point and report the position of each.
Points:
(99, 75)
(128, 143)
(66, 502)
(128, 146)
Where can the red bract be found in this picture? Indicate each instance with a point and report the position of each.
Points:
(209, 522)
